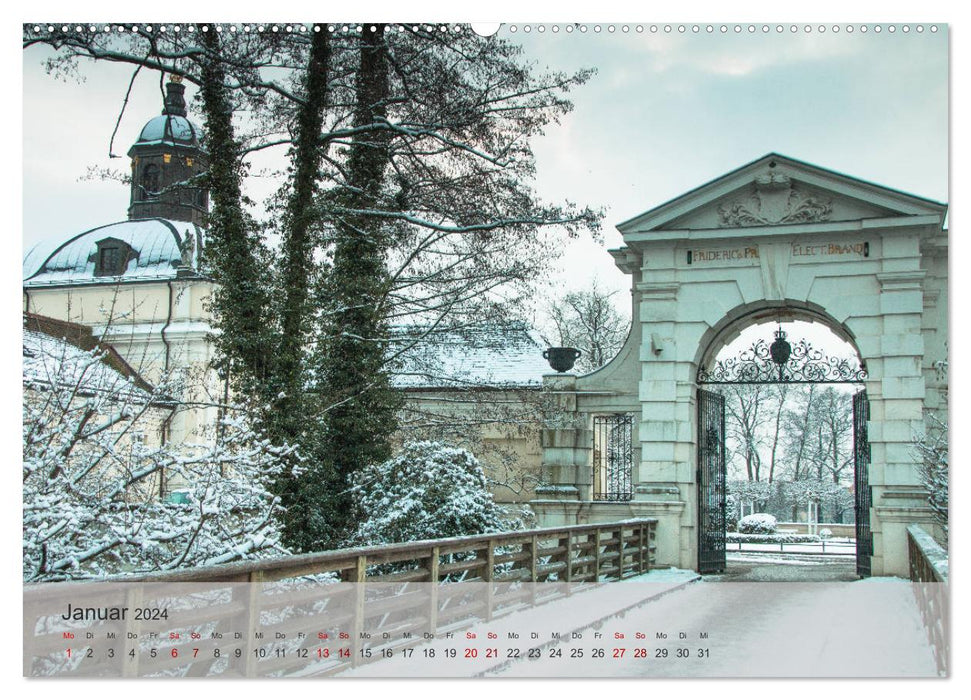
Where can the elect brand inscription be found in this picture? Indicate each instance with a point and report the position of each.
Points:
(862, 249)
(114, 613)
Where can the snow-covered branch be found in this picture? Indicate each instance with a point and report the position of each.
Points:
(105, 494)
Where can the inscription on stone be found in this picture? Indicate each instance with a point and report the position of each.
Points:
(720, 254)
(827, 249)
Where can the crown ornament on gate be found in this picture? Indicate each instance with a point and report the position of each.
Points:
(783, 362)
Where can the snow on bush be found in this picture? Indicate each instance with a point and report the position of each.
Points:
(429, 490)
(757, 524)
(825, 532)
(932, 451)
(785, 538)
(93, 467)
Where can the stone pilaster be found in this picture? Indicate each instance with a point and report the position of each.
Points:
(567, 442)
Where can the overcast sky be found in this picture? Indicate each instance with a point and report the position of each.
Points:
(665, 113)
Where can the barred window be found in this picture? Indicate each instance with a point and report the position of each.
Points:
(613, 458)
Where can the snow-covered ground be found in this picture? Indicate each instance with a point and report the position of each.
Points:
(867, 628)
(577, 613)
(841, 628)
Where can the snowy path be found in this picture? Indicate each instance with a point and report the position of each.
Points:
(747, 623)
(861, 628)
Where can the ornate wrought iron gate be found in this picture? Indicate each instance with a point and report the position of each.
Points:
(613, 457)
(711, 482)
(779, 363)
(863, 495)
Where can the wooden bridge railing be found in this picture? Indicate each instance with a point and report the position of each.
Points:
(928, 571)
(232, 616)
(599, 551)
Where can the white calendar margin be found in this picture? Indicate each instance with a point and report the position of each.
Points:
(829, 11)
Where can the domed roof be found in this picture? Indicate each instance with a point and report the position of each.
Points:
(170, 129)
(156, 245)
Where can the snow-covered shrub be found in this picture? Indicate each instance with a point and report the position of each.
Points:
(825, 533)
(731, 512)
(778, 538)
(932, 450)
(93, 467)
(429, 490)
(757, 524)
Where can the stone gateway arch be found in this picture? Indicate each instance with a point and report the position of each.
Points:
(775, 240)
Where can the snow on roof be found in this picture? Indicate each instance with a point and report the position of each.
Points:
(494, 355)
(170, 129)
(37, 254)
(52, 361)
(156, 243)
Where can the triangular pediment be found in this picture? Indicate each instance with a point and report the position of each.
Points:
(779, 191)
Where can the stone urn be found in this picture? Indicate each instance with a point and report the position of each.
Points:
(562, 359)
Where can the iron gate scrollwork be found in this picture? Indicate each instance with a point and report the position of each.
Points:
(613, 459)
(802, 364)
(711, 482)
(863, 498)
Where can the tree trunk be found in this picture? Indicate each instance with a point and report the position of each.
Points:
(239, 299)
(291, 412)
(354, 379)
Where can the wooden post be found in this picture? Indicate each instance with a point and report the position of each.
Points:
(532, 547)
(134, 597)
(596, 555)
(253, 598)
(488, 575)
(433, 562)
(358, 576)
(568, 556)
(488, 569)
(641, 547)
(620, 552)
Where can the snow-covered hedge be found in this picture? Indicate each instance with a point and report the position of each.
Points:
(429, 490)
(771, 539)
(758, 524)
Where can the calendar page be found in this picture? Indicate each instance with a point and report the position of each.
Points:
(513, 350)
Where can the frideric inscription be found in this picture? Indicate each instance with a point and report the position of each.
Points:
(703, 255)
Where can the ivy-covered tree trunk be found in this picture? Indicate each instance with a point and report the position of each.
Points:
(353, 374)
(292, 412)
(231, 250)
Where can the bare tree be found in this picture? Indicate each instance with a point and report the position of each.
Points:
(588, 319)
(834, 420)
(746, 408)
(798, 428)
(932, 449)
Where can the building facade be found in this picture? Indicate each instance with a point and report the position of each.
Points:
(775, 240)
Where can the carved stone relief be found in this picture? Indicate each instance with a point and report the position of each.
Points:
(774, 200)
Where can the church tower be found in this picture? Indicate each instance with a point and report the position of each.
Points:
(168, 153)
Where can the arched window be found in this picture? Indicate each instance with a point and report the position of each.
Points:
(150, 181)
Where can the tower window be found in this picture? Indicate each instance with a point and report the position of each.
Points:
(150, 181)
